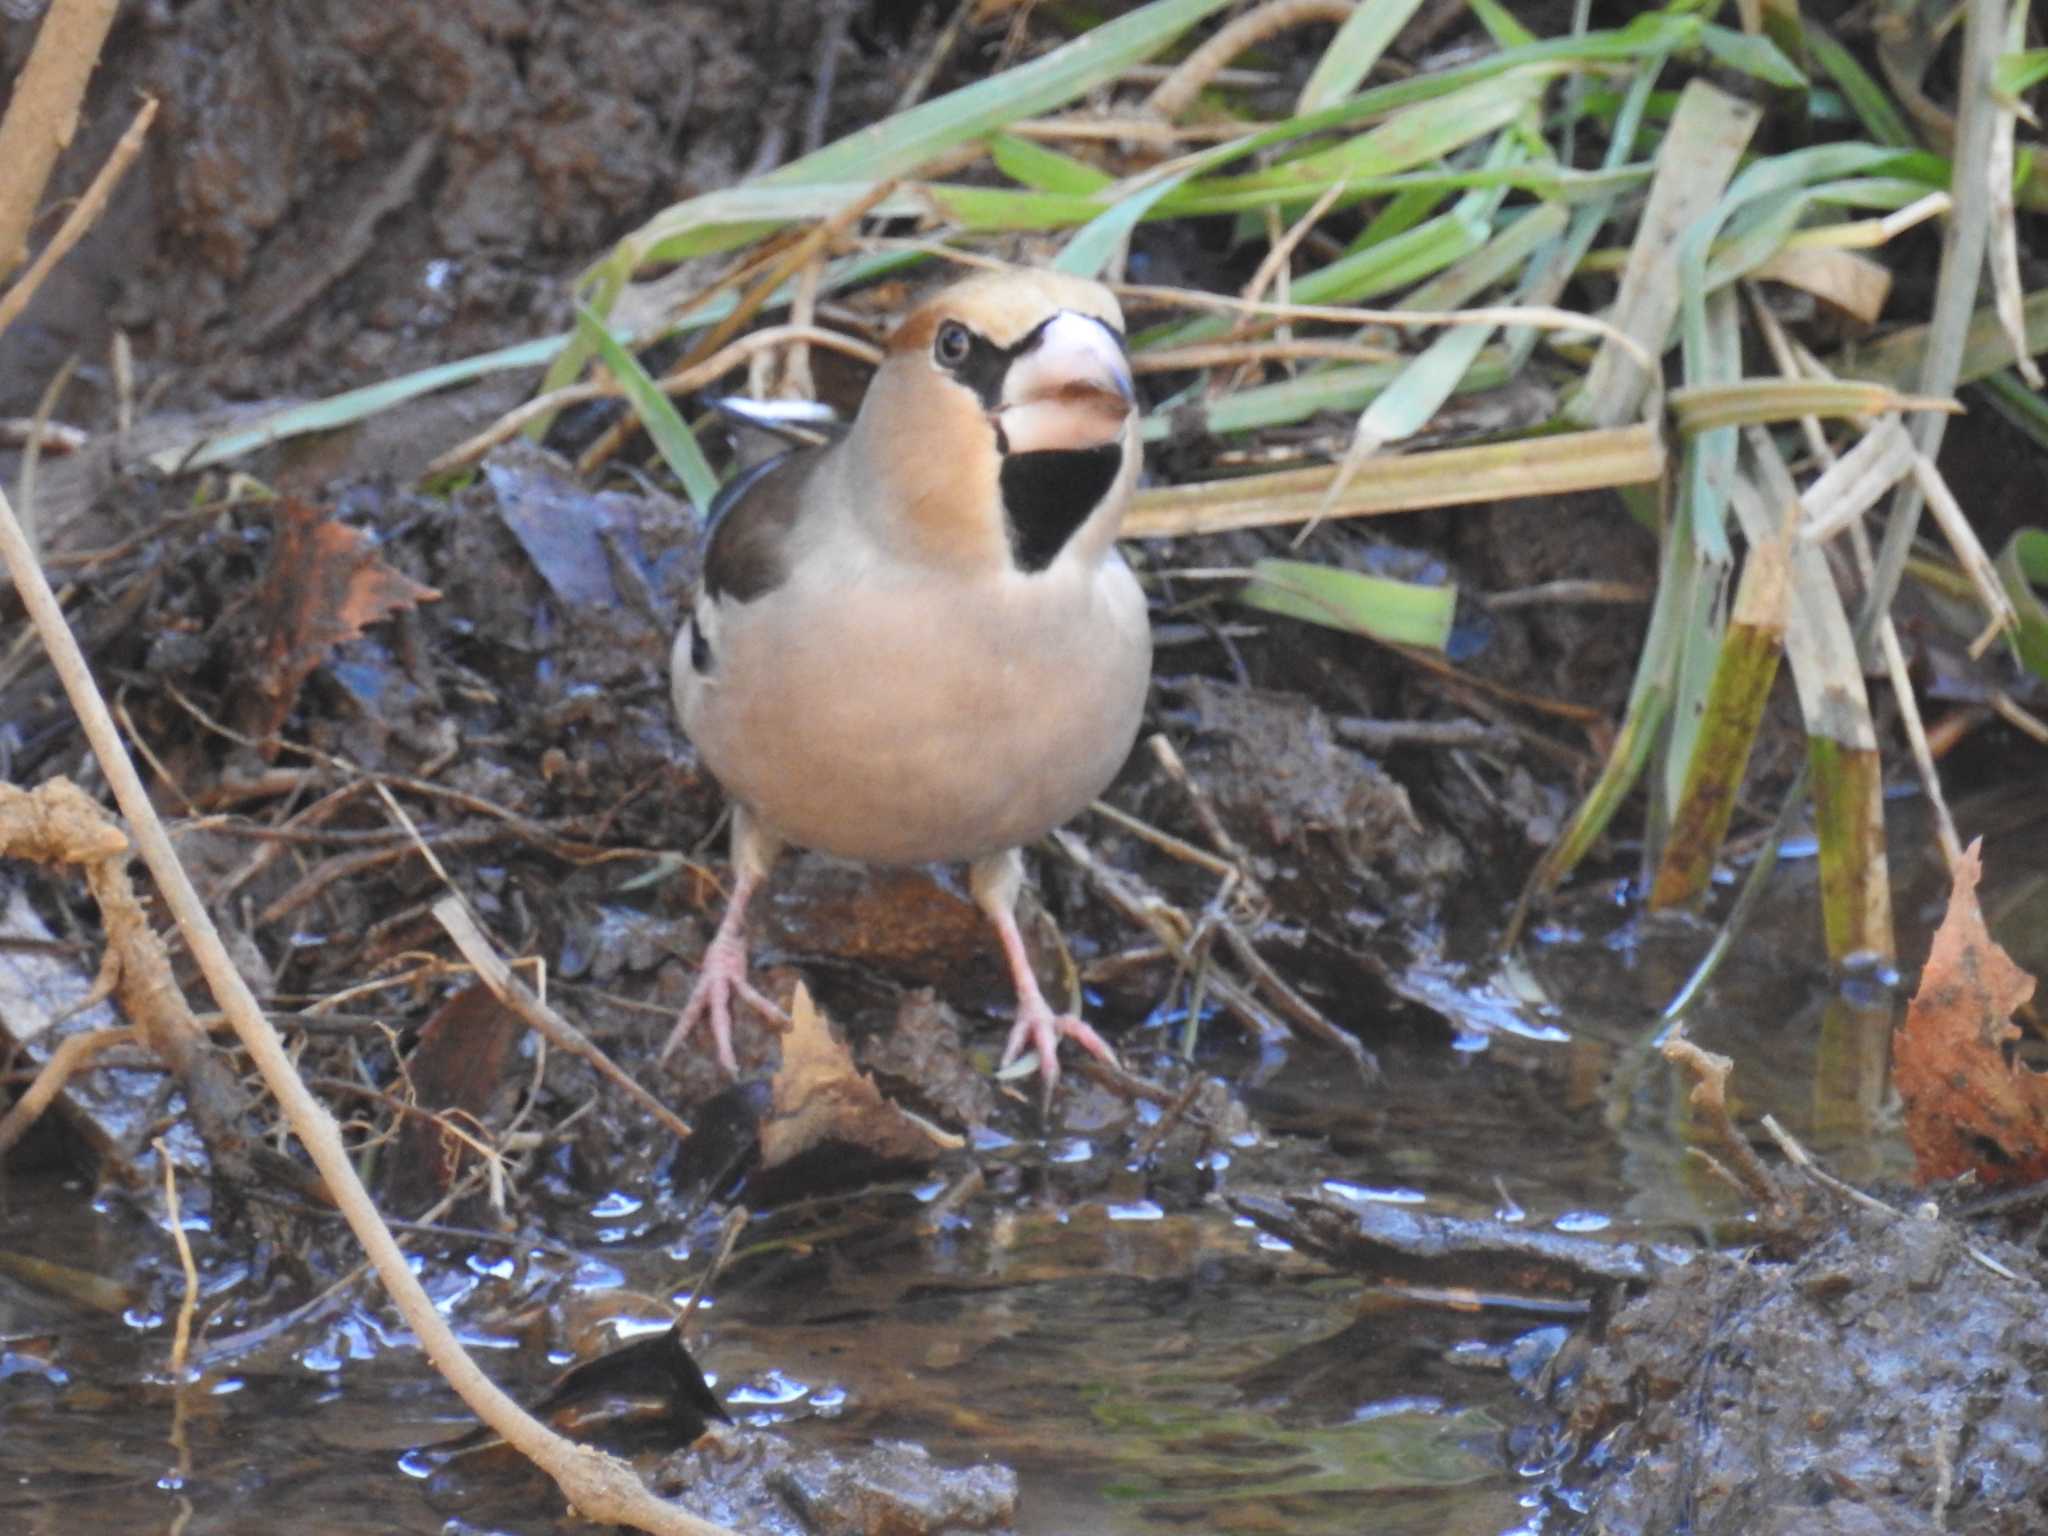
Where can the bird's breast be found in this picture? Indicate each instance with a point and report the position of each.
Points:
(910, 720)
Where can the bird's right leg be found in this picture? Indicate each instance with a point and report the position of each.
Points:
(723, 974)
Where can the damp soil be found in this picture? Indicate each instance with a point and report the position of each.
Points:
(1068, 1323)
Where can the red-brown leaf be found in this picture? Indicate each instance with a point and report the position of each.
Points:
(325, 584)
(1969, 1106)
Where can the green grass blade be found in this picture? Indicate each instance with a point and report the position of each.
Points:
(658, 414)
(1871, 102)
(1407, 208)
(348, 407)
(1751, 54)
(1744, 672)
(1649, 704)
(1520, 237)
(1546, 283)
(1834, 703)
(1416, 135)
(1348, 389)
(2020, 72)
(1397, 612)
(2025, 410)
(1034, 165)
(1096, 243)
(2022, 570)
(1706, 362)
(1500, 24)
(898, 145)
(1353, 51)
(1695, 163)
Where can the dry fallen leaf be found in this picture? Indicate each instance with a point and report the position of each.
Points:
(1969, 1105)
(819, 1095)
(325, 585)
(466, 1052)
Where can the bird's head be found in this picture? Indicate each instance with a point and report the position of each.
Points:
(1003, 422)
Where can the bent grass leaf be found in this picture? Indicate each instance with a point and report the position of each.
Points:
(2022, 570)
(1353, 51)
(1396, 612)
(658, 414)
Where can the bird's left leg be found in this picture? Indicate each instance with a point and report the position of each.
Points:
(996, 881)
(724, 974)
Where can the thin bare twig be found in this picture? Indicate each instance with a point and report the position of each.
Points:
(513, 993)
(729, 1232)
(43, 113)
(181, 1335)
(82, 216)
(1710, 1093)
(73, 1055)
(1178, 91)
(1801, 1159)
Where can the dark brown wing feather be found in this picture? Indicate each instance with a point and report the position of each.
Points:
(751, 523)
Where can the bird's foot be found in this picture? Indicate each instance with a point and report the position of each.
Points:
(722, 978)
(1039, 1027)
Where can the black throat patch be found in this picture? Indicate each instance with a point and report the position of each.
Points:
(1047, 495)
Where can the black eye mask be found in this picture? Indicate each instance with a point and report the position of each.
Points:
(1048, 495)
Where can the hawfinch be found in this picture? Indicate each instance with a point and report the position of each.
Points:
(919, 643)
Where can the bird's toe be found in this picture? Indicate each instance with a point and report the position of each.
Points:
(1040, 1028)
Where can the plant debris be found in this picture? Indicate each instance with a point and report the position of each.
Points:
(324, 585)
(1971, 1105)
(820, 1096)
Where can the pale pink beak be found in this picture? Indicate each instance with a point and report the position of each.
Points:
(1072, 390)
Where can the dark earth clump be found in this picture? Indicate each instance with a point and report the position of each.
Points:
(1892, 1379)
(760, 1483)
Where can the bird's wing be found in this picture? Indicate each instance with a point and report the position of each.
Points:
(752, 521)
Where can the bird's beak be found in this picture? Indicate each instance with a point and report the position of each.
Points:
(1072, 390)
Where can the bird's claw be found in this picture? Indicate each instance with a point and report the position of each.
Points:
(1039, 1027)
(722, 978)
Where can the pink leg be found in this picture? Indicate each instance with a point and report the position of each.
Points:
(996, 882)
(723, 974)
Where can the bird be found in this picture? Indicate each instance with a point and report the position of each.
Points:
(918, 643)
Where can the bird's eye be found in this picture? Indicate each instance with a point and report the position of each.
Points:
(952, 344)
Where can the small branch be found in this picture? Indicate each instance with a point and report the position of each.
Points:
(1800, 1158)
(71, 1057)
(1178, 91)
(58, 823)
(513, 993)
(43, 113)
(181, 1337)
(84, 214)
(1710, 1093)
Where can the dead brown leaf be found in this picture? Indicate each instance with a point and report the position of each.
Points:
(465, 1053)
(324, 586)
(1969, 1105)
(819, 1096)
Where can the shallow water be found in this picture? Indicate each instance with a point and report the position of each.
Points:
(1144, 1359)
